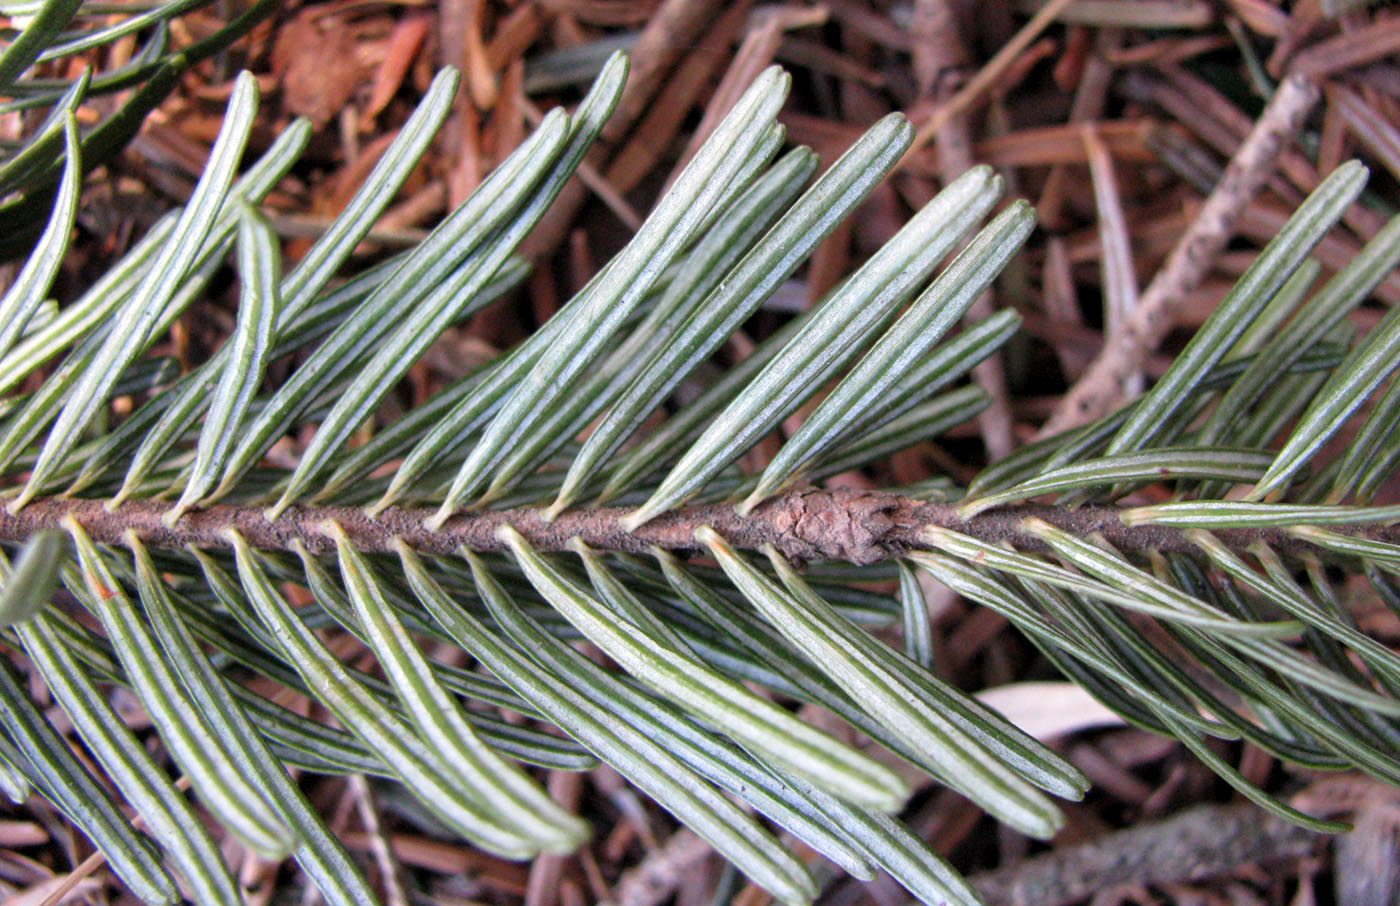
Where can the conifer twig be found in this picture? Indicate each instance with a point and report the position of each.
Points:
(842, 524)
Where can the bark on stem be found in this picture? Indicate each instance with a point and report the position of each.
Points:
(844, 525)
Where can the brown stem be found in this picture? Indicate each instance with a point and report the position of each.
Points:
(847, 525)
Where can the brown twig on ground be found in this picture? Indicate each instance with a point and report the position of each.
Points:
(378, 845)
(1200, 843)
(940, 58)
(1200, 103)
(973, 91)
(1101, 388)
(662, 871)
(547, 870)
(839, 524)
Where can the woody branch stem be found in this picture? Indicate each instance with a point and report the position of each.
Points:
(844, 525)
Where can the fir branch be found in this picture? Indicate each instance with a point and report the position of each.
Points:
(859, 527)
